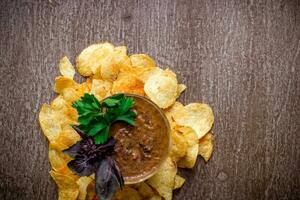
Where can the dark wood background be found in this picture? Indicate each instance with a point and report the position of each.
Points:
(241, 57)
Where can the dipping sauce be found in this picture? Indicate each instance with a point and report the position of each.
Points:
(140, 149)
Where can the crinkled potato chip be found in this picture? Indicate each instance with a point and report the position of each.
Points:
(161, 89)
(155, 197)
(179, 145)
(83, 182)
(59, 103)
(206, 146)
(110, 68)
(179, 181)
(66, 138)
(127, 193)
(145, 190)
(91, 190)
(66, 68)
(92, 57)
(59, 161)
(101, 88)
(62, 83)
(146, 73)
(192, 147)
(67, 186)
(198, 116)
(49, 123)
(128, 83)
(163, 180)
(175, 108)
(180, 89)
(142, 61)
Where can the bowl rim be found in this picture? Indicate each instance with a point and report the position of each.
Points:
(154, 169)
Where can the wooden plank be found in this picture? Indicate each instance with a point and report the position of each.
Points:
(241, 58)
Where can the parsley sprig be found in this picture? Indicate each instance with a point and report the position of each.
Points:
(95, 118)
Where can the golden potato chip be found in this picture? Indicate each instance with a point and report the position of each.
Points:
(179, 181)
(145, 190)
(180, 89)
(155, 197)
(70, 95)
(145, 73)
(66, 68)
(179, 146)
(206, 146)
(198, 116)
(83, 182)
(142, 61)
(162, 89)
(163, 180)
(169, 112)
(92, 57)
(66, 138)
(110, 68)
(101, 88)
(49, 123)
(127, 193)
(128, 83)
(59, 103)
(62, 83)
(192, 147)
(67, 186)
(91, 190)
(58, 160)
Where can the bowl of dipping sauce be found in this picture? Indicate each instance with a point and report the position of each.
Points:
(141, 149)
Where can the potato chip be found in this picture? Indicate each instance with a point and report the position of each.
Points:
(162, 89)
(83, 182)
(192, 147)
(142, 61)
(92, 57)
(67, 186)
(59, 161)
(66, 68)
(127, 193)
(169, 112)
(110, 68)
(179, 181)
(66, 138)
(145, 190)
(155, 197)
(128, 83)
(180, 89)
(145, 73)
(163, 180)
(206, 146)
(62, 83)
(49, 123)
(198, 116)
(90, 190)
(179, 146)
(59, 103)
(101, 88)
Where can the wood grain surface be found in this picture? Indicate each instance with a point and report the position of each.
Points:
(241, 57)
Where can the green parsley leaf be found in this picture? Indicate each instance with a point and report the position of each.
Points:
(95, 118)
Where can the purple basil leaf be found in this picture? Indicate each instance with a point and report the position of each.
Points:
(107, 179)
(83, 165)
(79, 147)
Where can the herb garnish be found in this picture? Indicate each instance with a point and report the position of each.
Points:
(93, 153)
(95, 118)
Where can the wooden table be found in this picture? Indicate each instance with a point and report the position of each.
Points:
(241, 58)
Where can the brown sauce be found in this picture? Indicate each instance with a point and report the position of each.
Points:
(140, 148)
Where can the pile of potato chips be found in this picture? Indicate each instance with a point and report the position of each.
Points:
(109, 70)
